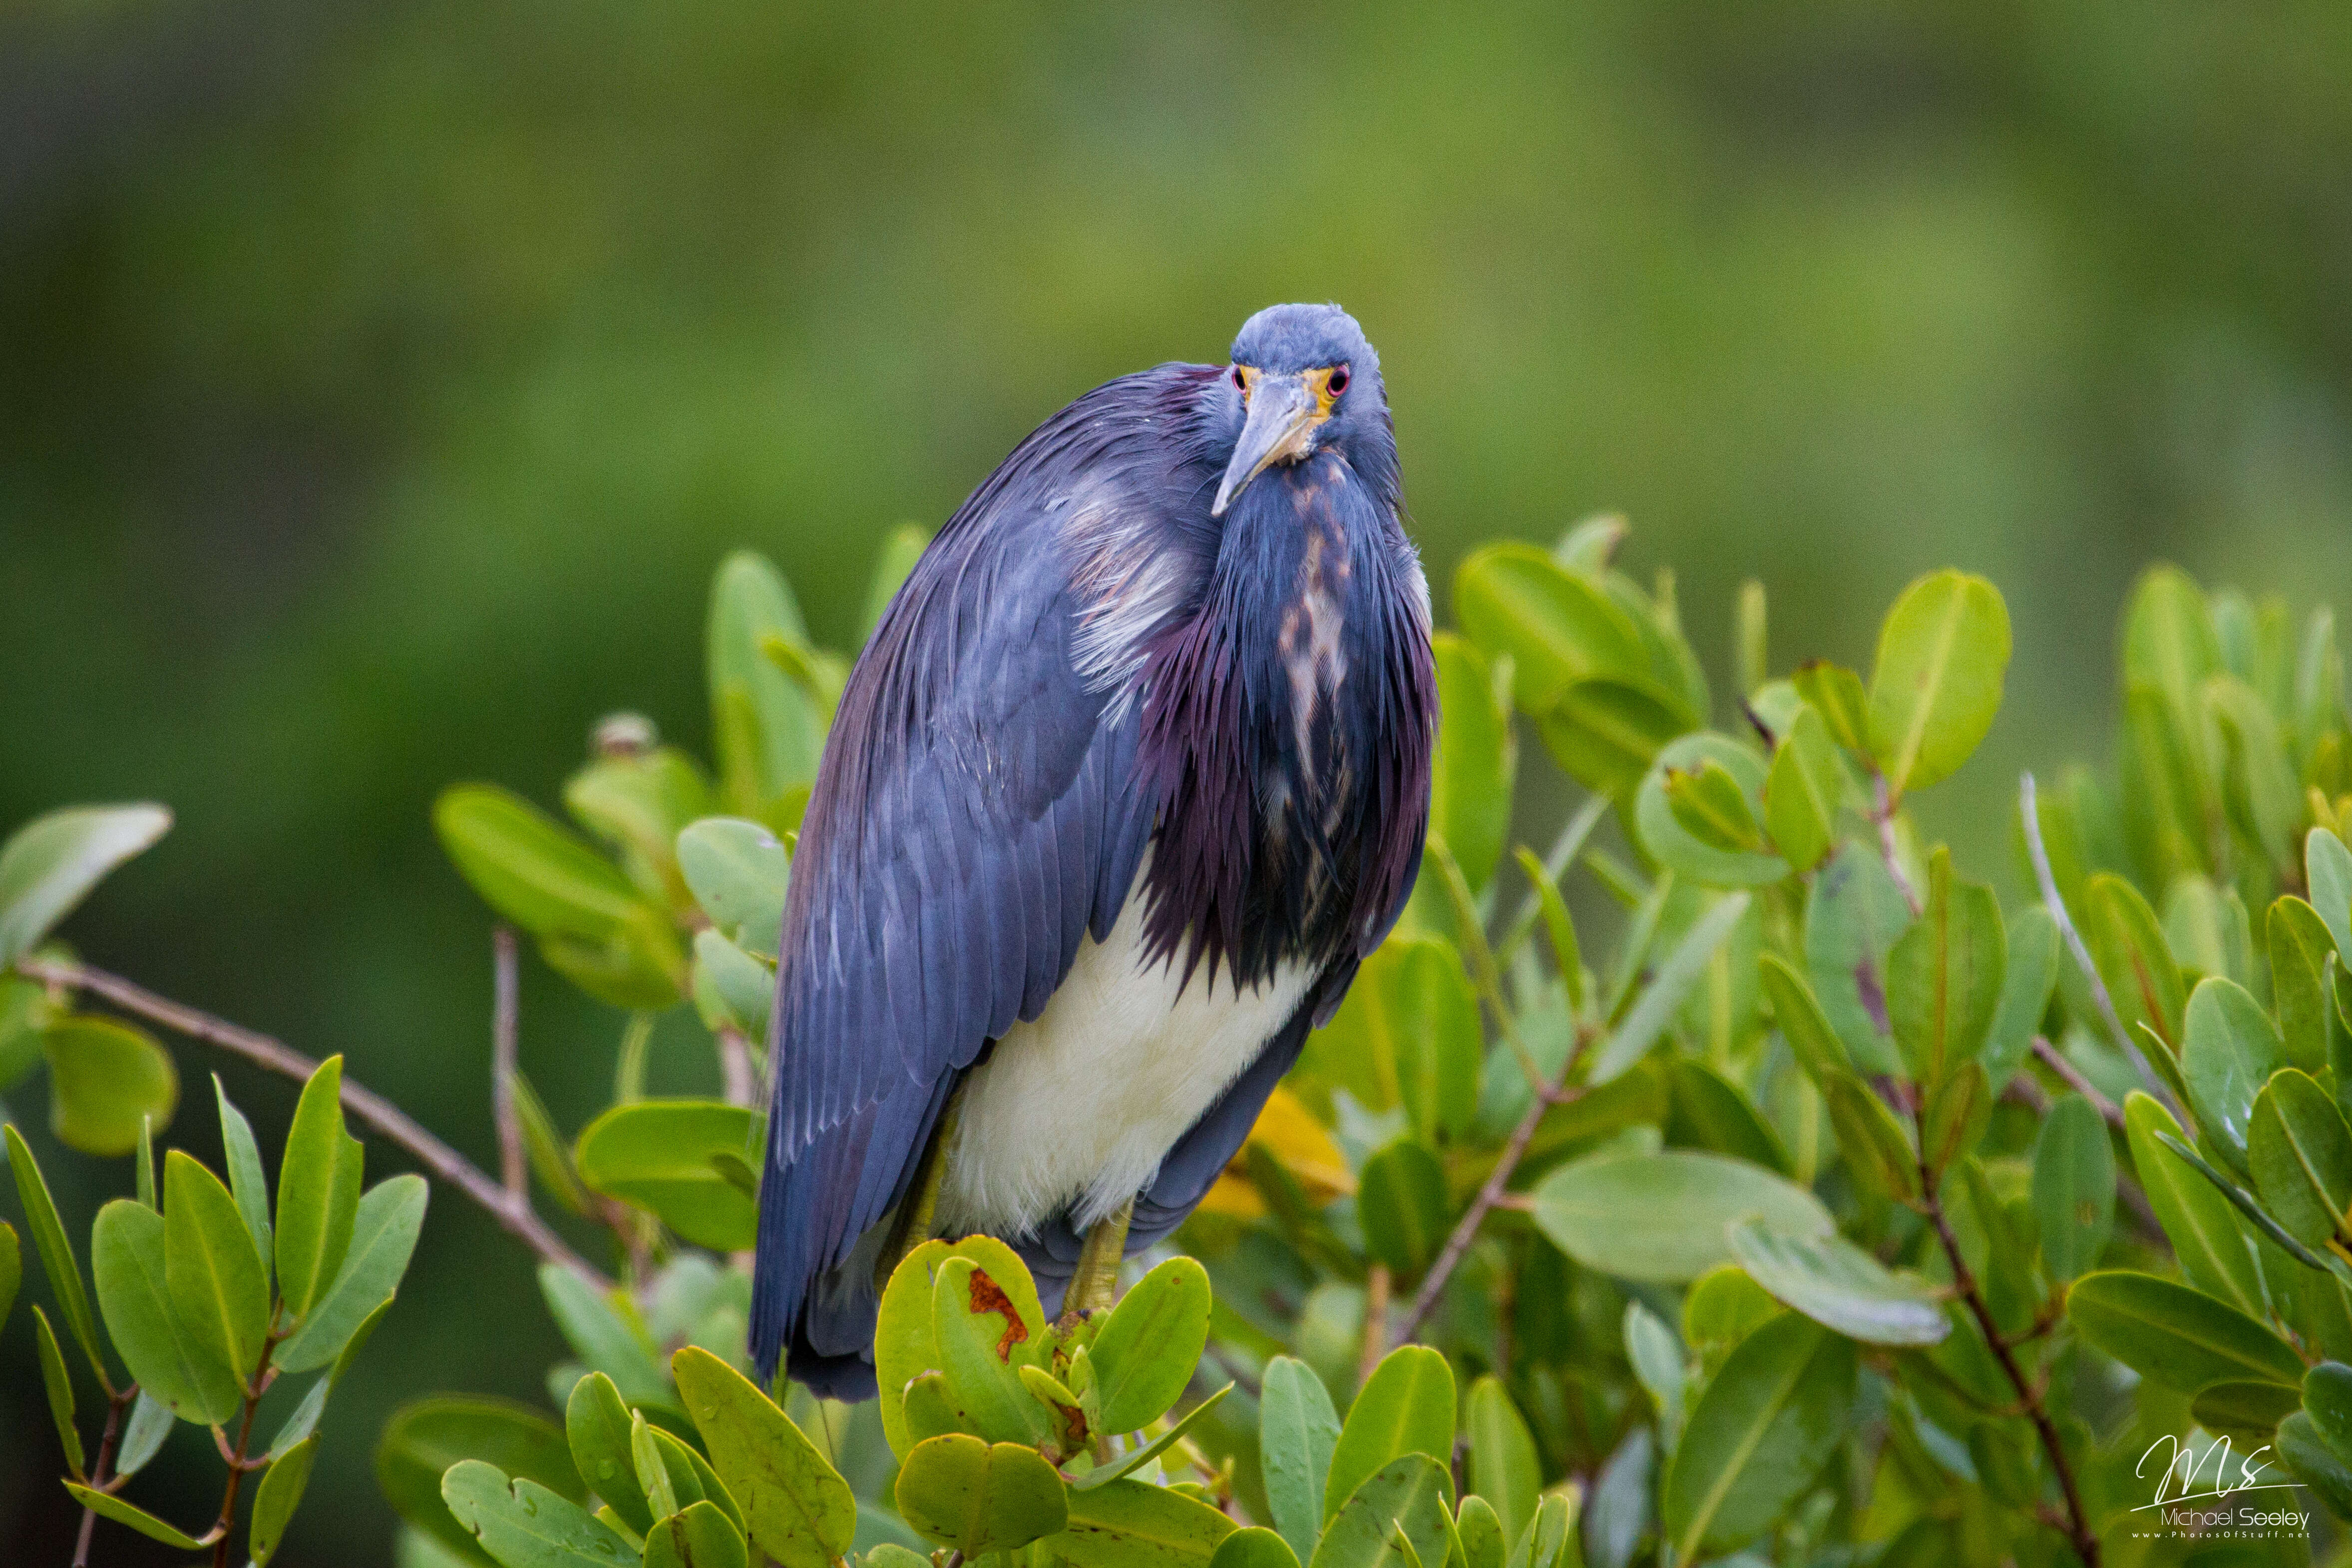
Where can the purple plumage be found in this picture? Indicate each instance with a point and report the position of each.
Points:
(1131, 776)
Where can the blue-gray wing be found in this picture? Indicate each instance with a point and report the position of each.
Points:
(974, 818)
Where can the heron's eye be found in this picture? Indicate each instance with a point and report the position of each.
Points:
(1338, 382)
(1239, 384)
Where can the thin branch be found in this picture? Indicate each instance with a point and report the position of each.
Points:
(98, 1477)
(2077, 1522)
(226, 1523)
(1492, 1195)
(1882, 814)
(504, 1011)
(2039, 853)
(2050, 1057)
(1376, 1323)
(442, 1161)
(735, 1068)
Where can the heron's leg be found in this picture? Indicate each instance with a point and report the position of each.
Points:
(1096, 1284)
(919, 1208)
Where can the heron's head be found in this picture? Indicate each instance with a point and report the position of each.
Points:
(1304, 381)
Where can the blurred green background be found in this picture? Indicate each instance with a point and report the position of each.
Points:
(379, 384)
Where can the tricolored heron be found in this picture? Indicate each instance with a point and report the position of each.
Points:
(1130, 777)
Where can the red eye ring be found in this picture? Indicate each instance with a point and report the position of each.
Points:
(1240, 385)
(1337, 383)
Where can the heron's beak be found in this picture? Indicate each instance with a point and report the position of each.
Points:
(1282, 414)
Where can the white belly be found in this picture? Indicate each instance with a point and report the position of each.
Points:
(1084, 1102)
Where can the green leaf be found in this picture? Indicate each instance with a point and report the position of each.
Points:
(107, 1081)
(1707, 804)
(426, 1438)
(2026, 982)
(2326, 1397)
(2181, 1338)
(1504, 1469)
(59, 1384)
(1960, 1109)
(2247, 1412)
(1406, 1407)
(1658, 1365)
(1254, 1546)
(656, 1153)
(2128, 947)
(1151, 1344)
(247, 1182)
(2299, 946)
(219, 1292)
(1134, 1460)
(796, 1507)
(142, 1435)
(604, 1339)
(768, 734)
(1604, 731)
(2263, 792)
(1129, 1524)
(279, 1494)
(383, 1235)
(1484, 1545)
(596, 1425)
(732, 988)
(127, 1257)
(1395, 1519)
(1401, 1204)
(2315, 1464)
(1708, 1111)
(1853, 917)
(530, 868)
(700, 1535)
(1567, 956)
(1759, 1435)
(1944, 974)
(2328, 871)
(1803, 792)
(1663, 1218)
(1834, 692)
(1696, 812)
(1722, 1308)
(1671, 982)
(964, 1494)
(1942, 654)
(1472, 768)
(977, 1326)
(524, 1524)
(317, 1191)
(2198, 1220)
(55, 1252)
(1407, 1035)
(738, 871)
(2300, 1153)
(1815, 1045)
(1556, 624)
(2073, 1187)
(638, 801)
(905, 1347)
(11, 1269)
(1839, 1286)
(1298, 1429)
(2230, 1052)
(51, 863)
(109, 1507)
(645, 1463)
